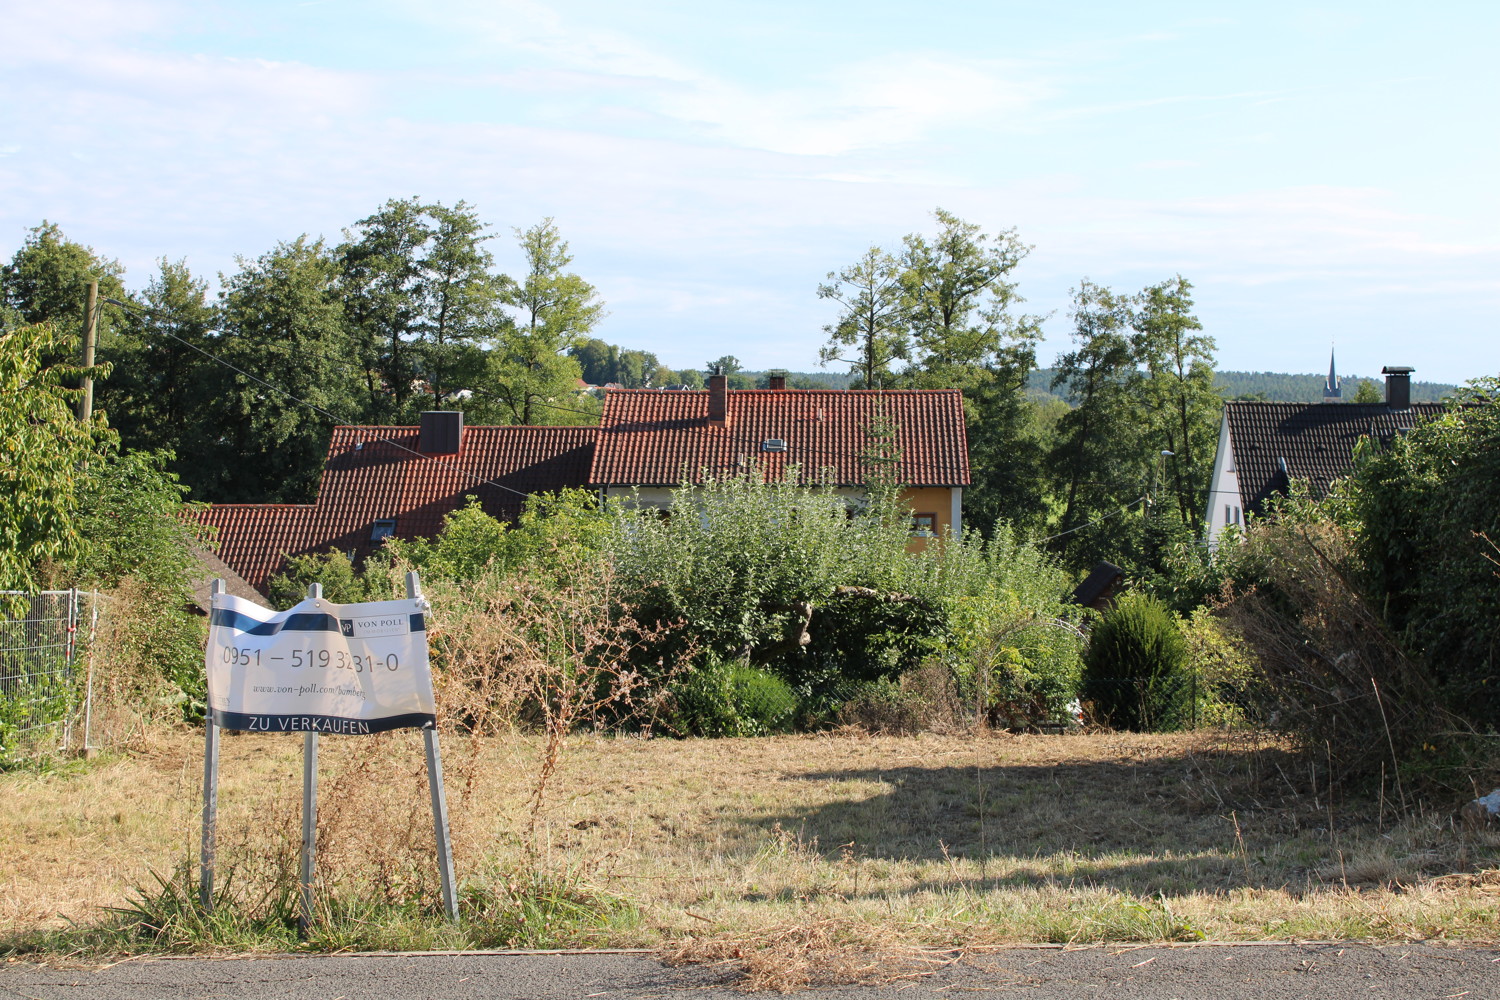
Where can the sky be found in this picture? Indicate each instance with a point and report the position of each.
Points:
(1324, 175)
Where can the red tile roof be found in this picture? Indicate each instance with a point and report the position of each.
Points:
(650, 437)
(375, 473)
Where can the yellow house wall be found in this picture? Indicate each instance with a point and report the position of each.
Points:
(936, 500)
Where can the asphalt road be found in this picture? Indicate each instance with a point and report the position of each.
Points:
(1325, 972)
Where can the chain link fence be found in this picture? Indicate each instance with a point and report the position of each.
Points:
(45, 675)
(1163, 703)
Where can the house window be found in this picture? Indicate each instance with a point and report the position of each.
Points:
(382, 529)
(924, 525)
(1228, 514)
(1237, 516)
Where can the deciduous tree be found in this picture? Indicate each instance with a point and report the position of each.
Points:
(163, 391)
(1184, 404)
(870, 334)
(283, 320)
(555, 310)
(46, 282)
(45, 446)
(1097, 457)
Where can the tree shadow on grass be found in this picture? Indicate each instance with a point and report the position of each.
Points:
(1167, 824)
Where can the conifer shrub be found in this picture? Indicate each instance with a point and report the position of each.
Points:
(1135, 671)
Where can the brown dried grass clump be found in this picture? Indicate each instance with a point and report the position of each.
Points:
(1329, 670)
(794, 859)
(792, 957)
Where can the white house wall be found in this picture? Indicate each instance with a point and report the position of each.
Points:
(1225, 490)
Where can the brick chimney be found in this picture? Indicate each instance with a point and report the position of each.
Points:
(718, 399)
(776, 380)
(1397, 386)
(442, 432)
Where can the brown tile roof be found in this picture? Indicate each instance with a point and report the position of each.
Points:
(374, 473)
(648, 437)
(254, 538)
(1316, 440)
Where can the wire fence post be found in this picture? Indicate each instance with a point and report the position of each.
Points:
(88, 694)
(70, 657)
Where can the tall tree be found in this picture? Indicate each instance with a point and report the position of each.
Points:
(46, 280)
(162, 389)
(283, 321)
(555, 310)
(1096, 457)
(1185, 404)
(462, 299)
(957, 300)
(44, 446)
(726, 365)
(422, 301)
(870, 334)
(957, 303)
(597, 360)
(383, 291)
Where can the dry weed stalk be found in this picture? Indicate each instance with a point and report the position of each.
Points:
(131, 693)
(557, 653)
(1331, 669)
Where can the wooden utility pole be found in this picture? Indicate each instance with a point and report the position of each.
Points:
(90, 337)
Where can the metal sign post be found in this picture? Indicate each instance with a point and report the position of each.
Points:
(439, 794)
(320, 668)
(210, 796)
(309, 808)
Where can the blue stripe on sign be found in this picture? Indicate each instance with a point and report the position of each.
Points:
(300, 622)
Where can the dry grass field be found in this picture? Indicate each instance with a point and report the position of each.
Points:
(717, 848)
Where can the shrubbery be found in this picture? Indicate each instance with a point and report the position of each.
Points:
(790, 600)
(730, 699)
(1135, 670)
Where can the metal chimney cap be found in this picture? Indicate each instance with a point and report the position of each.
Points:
(1397, 370)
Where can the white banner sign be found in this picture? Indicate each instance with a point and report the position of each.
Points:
(319, 667)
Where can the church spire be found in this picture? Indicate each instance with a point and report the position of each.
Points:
(1331, 389)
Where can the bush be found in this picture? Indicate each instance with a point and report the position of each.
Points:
(1013, 640)
(1135, 670)
(780, 574)
(1328, 669)
(1425, 514)
(731, 699)
(1228, 689)
(342, 582)
(922, 700)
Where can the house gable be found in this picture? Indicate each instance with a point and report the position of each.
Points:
(1264, 446)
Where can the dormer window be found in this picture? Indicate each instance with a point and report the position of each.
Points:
(382, 529)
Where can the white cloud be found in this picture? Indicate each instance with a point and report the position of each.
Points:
(706, 234)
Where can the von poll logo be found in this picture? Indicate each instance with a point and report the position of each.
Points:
(375, 627)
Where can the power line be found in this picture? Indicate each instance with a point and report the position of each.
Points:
(1100, 520)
